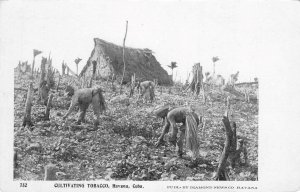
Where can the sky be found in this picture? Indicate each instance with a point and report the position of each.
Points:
(245, 35)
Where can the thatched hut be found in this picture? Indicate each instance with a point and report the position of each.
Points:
(106, 60)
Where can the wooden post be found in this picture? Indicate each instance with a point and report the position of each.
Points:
(27, 114)
(47, 111)
(124, 57)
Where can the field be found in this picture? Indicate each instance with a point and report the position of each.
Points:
(122, 148)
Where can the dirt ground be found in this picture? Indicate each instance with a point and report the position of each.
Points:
(122, 148)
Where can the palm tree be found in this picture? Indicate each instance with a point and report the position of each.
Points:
(215, 59)
(77, 62)
(173, 66)
(35, 53)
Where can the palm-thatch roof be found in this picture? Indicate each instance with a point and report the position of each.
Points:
(139, 61)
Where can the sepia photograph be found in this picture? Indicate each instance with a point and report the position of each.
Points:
(130, 94)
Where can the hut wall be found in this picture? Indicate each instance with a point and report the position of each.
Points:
(103, 68)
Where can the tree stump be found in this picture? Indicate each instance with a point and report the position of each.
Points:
(232, 149)
(197, 81)
(47, 111)
(43, 89)
(221, 170)
(43, 69)
(27, 114)
(50, 71)
(46, 79)
(63, 66)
